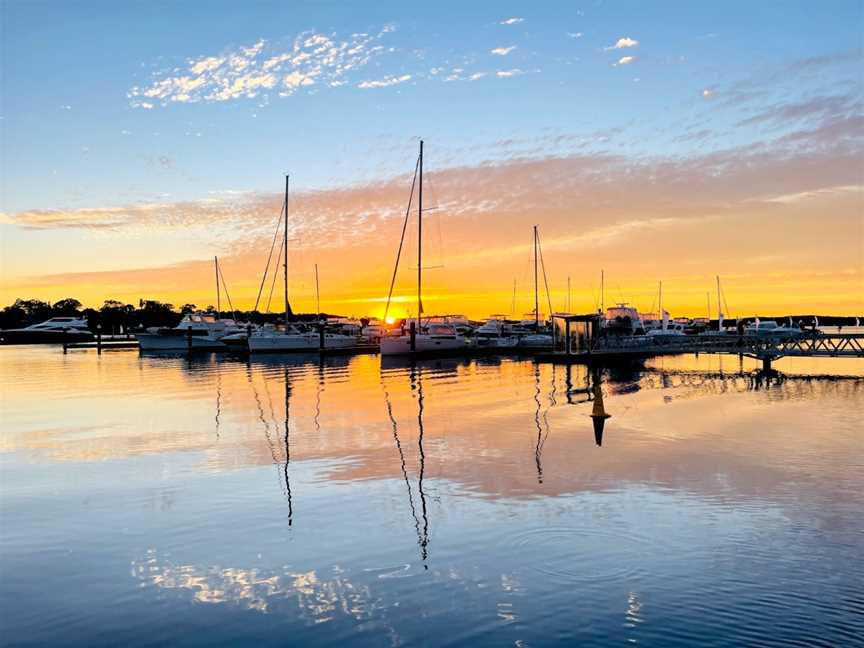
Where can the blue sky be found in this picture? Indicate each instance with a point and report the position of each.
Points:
(72, 137)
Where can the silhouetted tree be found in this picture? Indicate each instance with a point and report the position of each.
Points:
(93, 317)
(188, 308)
(12, 316)
(154, 313)
(68, 307)
(33, 307)
(115, 314)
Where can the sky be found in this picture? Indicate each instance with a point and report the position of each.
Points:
(668, 141)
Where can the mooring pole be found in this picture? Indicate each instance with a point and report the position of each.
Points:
(99, 339)
(189, 339)
(65, 341)
(412, 331)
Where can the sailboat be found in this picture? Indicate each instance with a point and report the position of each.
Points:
(433, 337)
(666, 327)
(292, 338)
(538, 338)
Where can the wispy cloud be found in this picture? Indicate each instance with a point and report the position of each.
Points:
(821, 107)
(245, 72)
(634, 198)
(385, 82)
(511, 21)
(625, 60)
(574, 34)
(707, 93)
(502, 51)
(779, 79)
(461, 74)
(509, 73)
(623, 43)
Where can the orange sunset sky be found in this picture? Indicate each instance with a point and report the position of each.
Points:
(655, 152)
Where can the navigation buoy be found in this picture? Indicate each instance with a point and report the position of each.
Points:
(599, 415)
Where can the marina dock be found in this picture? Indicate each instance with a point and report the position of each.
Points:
(812, 344)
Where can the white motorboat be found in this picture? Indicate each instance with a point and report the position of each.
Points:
(198, 331)
(56, 329)
(433, 337)
(496, 332)
(622, 319)
(495, 326)
(673, 328)
(771, 329)
(373, 332)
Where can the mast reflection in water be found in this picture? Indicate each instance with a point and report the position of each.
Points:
(724, 506)
(422, 531)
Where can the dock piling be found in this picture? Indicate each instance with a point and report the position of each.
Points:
(412, 330)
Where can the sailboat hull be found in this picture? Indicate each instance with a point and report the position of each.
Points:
(289, 343)
(157, 342)
(428, 344)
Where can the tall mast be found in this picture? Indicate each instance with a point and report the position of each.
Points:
(317, 293)
(420, 243)
(662, 315)
(602, 292)
(719, 309)
(708, 295)
(218, 304)
(536, 290)
(285, 255)
(568, 294)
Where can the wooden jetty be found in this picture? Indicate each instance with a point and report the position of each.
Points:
(104, 342)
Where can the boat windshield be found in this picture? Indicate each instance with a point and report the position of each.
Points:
(622, 312)
(440, 329)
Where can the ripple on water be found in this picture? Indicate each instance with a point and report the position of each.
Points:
(587, 555)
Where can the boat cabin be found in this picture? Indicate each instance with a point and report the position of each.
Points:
(575, 334)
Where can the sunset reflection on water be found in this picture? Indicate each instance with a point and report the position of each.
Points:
(339, 498)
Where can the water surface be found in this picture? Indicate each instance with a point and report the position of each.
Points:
(287, 500)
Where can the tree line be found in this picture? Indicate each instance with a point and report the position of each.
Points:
(114, 316)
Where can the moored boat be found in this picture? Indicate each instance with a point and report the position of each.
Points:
(294, 339)
(198, 331)
(771, 329)
(54, 330)
(431, 337)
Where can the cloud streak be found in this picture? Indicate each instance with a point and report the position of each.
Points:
(386, 82)
(312, 59)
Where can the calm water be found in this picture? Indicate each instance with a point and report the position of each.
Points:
(154, 500)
